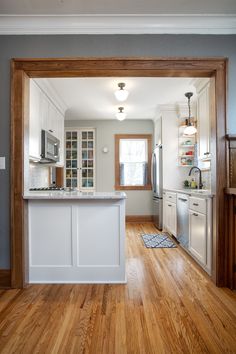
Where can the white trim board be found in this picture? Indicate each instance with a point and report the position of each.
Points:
(118, 24)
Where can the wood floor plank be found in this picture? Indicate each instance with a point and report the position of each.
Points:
(169, 305)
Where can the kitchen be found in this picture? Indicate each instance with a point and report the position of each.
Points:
(92, 139)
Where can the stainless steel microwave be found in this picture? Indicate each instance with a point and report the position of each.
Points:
(50, 148)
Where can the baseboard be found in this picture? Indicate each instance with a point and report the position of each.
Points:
(139, 218)
(5, 278)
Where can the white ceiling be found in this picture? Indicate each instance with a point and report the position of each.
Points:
(93, 98)
(117, 7)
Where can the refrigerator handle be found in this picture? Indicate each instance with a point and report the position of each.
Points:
(152, 170)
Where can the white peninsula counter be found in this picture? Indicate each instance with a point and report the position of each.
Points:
(76, 237)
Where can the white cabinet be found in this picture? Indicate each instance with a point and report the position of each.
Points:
(43, 115)
(35, 122)
(200, 231)
(79, 240)
(204, 122)
(169, 220)
(204, 91)
(198, 235)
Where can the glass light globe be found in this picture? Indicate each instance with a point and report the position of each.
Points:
(121, 95)
(190, 130)
(120, 115)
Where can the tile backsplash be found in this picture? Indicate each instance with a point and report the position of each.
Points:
(38, 176)
(206, 179)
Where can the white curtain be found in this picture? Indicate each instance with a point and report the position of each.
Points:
(133, 162)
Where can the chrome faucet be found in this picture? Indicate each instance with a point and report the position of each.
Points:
(200, 175)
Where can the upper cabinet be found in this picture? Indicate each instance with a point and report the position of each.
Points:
(35, 122)
(203, 89)
(203, 112)
(43, 115)
(80, 159)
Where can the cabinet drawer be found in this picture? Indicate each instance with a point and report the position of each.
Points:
(171, 197)
(197, 204)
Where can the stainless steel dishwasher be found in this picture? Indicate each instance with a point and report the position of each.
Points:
(183, 220)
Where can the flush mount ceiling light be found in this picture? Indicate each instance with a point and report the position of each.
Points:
(121, 115)
(121, 94)
(190, 129)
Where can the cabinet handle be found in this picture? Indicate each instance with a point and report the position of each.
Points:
(206, 153)
(194, 214)
(170, 197)
(50, 130)
(196, 204)
(169, 205)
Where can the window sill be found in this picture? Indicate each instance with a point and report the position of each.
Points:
(148, 187)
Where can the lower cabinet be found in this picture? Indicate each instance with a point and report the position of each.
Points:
(170, 217)
(198, 232)
(198, 236)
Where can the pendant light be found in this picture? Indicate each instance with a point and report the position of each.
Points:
(121, 115)
(190, 129)
(121, 94)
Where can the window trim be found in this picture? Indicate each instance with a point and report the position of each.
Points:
(118, 137)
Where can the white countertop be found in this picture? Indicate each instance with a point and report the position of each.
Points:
(74, 195)
(203, 193)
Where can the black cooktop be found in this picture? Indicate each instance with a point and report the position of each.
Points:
(47, 189)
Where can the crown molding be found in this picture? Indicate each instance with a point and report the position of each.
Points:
(200, 83)
(52, 94)
(118, 24)
(171, 107)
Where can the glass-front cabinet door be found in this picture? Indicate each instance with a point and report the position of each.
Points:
(80, 159)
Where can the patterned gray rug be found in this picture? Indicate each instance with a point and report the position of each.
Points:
(157, 241)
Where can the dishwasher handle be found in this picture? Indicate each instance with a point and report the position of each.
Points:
(183, 200)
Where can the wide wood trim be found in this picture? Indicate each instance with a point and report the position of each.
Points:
(139, 218)
(114, 67)
(19, 146)
(105, 67)
(220, 172)
(5, 278)
(230, 216)
(118, 137)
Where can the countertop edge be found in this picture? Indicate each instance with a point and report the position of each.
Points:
(71, 196)
(191, 193)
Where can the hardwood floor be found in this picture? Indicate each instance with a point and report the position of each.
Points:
(169, 305)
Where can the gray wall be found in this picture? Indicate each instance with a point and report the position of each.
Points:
(97, 45)
(138, 202)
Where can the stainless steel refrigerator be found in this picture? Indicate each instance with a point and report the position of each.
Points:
(157, 186)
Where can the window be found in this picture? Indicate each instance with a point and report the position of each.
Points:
(133, 161)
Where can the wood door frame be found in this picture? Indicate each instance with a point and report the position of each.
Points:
(23, 69)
